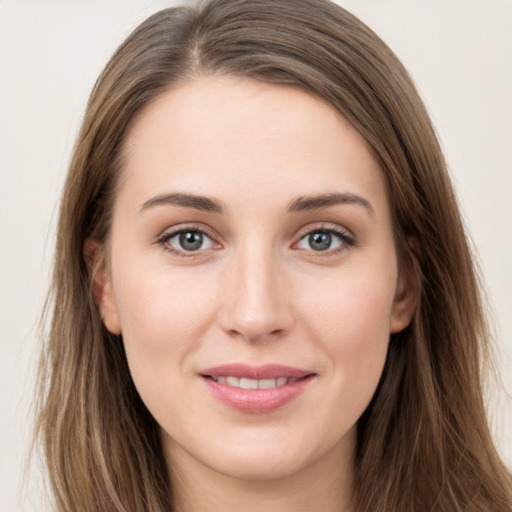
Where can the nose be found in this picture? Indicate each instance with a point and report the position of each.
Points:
(256, 301)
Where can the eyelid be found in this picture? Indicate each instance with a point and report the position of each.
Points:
(346, 237)
(166, 235)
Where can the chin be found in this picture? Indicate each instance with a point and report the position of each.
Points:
(262, 465)
(259, 456)
(264, 456)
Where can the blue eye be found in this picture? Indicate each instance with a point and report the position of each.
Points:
(324, 240)
(188, 240)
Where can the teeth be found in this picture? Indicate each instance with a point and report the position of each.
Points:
(266, 383)
(248, 383)
(233, 381)
(244, 383)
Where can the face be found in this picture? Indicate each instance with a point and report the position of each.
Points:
(252, 272)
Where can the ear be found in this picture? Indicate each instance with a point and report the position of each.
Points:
(408, 289)
(102, 290)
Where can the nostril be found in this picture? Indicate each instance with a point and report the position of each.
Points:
(253, 316)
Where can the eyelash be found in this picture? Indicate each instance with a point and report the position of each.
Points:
(346, 240)
(165, 238)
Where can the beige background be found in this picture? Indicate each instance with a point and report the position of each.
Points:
(458, 51)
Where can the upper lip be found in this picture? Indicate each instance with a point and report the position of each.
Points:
(267, 371)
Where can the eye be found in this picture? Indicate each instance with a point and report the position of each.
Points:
(187, 240)
(322, 240)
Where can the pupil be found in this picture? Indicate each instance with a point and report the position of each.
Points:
(191, 240)
(320, 241)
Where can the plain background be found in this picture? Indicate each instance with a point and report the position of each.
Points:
(459, 52)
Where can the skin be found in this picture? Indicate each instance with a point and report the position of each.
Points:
(256, 291)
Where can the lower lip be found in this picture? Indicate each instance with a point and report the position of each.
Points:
(257, 400)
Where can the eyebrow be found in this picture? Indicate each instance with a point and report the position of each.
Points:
(197, 202)
(305, 203)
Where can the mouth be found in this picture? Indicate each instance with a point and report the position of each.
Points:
(246, 383)
(259, 389)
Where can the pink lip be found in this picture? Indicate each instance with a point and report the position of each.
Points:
(267, 371)
(256, 400)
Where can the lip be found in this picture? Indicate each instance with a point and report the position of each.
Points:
(256, 400)
(267, 371)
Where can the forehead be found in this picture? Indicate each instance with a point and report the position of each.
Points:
(226, 136)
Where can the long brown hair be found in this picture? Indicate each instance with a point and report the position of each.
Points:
(424, 442)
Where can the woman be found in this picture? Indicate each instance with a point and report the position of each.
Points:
(263, 295)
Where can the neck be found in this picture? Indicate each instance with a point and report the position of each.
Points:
(325, 484)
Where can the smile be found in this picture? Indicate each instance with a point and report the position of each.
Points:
(245, 383)
(260, 389)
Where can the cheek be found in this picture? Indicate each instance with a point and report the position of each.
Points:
(356, 310)
(352, 324)
(164, 314)
(164, 317)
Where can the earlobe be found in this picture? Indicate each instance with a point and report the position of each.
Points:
(407, 291)
(102, 285)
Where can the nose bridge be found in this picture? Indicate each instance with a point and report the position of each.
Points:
(256, 303)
